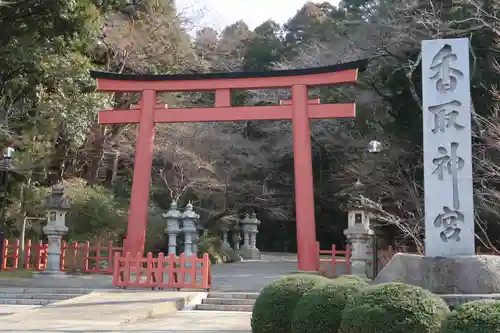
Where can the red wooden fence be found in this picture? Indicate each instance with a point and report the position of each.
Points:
(94, 257)
(162, 272)
(35, 255)
(333, 260)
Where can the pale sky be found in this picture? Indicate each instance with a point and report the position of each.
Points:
(220, 13)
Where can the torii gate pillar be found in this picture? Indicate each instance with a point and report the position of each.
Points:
(141, 180)
(304, 186)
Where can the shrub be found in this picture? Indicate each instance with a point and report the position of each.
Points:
(273, 309)
(345, 278)
(474, 317)
(320, 309)
(394, 308)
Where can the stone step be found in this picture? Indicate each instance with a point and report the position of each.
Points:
(20, 301)
(50, 296)
(35, 290)
(233, 295)
(229, 301)
(219, 307)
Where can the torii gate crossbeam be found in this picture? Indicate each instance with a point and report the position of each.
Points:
(300, 110)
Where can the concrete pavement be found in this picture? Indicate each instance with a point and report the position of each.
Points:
(96, 312)
(6, 309)
(176, 322)
(194, 321)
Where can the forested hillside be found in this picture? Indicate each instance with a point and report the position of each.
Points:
(49, 114)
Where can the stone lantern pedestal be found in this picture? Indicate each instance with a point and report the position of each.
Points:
(236, 237)
(359, 233)
(57, 206)
(250, 226)
(360, 240)
(226, 246)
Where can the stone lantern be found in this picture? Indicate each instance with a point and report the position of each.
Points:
(225, 235)
(189, 219)
(359, 233)
(173, 217)
(246, 235)
(250, 225)
(236, 236)
(57, 206)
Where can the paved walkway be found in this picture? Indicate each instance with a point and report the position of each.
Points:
(194, 321)
(253, 275)
(178, 322)
(249, 276)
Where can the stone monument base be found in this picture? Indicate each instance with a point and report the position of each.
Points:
(465, 275)
(251, 254)
(51, 274)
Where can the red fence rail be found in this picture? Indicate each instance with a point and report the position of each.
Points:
(81, 256)
(169, 272)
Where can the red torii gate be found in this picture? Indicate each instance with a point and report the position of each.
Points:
(300, 110)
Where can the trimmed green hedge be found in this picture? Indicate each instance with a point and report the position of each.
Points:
(346, 278)
(474, 317)
(394, 308)
(273, 309)
(320, 309)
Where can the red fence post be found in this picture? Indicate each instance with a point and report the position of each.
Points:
(17, 250)
(86, 252)
(116, 270)
(205, 273)
(64, 247)
(27, 254)
(40, 256)
(158, 277)
(348, 263)
(4, 254)
(150, 270)
(334, 259)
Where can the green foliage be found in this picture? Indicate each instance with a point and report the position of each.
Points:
(474, 317)
(350, 278)
(263, 48)
(394, 308)
(95, 211)
(210, 244)
(273, 309)
(320, 309)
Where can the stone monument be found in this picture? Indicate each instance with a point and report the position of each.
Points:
(57, 205)
(359, 232)
(450, 265)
